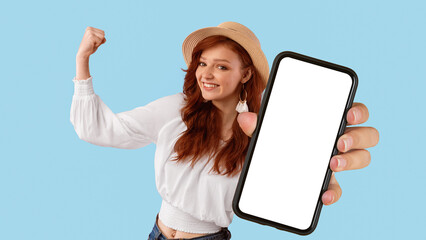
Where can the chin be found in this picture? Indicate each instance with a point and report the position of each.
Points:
(208, 98)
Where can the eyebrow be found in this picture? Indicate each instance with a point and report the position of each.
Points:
(216, 59)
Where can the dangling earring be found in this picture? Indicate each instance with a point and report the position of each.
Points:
(242, 104)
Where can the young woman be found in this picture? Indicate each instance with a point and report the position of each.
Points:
(202, 133)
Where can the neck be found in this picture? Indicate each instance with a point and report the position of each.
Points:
(228, 112)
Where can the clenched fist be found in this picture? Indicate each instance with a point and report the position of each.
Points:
(92, 39)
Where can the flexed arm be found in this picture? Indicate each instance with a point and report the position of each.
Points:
(92, 39)
(93, 120)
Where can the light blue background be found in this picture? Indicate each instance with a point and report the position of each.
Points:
(55, 186)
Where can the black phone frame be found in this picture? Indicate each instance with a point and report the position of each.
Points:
(255, 135)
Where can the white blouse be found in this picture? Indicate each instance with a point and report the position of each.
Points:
(194, 200)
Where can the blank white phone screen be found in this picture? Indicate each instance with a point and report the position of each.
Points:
(295, 143)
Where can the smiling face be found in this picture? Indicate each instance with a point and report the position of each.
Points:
(220, 75)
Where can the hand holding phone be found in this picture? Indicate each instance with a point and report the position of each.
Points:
(281, 183)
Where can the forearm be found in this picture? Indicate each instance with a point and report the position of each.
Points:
(82, 67)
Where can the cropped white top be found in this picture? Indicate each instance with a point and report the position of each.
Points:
(194, 200)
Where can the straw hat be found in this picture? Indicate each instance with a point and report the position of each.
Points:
(237, 32)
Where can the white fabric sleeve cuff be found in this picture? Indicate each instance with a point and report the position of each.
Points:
(83, 87)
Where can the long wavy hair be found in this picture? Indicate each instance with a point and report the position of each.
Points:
(204, 121)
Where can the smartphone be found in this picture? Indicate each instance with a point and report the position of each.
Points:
(302, 115)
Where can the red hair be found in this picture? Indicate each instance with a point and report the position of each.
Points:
(203, 119)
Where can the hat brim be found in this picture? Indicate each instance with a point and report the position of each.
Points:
(257, 56)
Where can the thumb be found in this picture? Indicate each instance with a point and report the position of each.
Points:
(247, 122)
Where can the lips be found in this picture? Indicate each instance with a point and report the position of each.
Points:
(210, 85)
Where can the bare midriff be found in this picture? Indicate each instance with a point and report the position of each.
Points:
(172, 233)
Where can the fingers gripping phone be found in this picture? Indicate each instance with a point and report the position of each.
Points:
(286, 170)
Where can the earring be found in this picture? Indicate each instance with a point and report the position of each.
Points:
(242, 104)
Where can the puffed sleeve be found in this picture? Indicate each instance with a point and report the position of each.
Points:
(94, 122)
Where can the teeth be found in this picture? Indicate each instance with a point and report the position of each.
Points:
(210, 85)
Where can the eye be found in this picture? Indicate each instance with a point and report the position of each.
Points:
(222, 67)
(201, 64)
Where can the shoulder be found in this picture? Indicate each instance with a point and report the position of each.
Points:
(167, 107)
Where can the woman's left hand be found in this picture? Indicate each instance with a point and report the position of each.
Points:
(351, 146)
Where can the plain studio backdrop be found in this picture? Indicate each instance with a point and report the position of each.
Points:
(55, 186)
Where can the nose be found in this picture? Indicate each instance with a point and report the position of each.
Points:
(207, 72)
